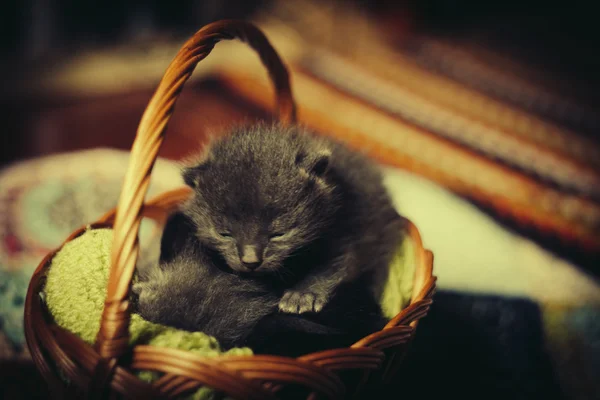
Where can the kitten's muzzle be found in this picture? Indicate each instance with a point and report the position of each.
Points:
(251, 257)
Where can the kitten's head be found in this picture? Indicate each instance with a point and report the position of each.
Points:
(260, 194)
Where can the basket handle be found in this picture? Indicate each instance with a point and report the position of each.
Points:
(113, 337)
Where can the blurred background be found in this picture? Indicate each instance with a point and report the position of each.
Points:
(485, 116)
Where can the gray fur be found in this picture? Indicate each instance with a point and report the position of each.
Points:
(288, 215)
(188, 290)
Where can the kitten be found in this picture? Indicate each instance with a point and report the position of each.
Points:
(191, 289)
(279, 219)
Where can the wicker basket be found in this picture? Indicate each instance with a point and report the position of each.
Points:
(106, 370)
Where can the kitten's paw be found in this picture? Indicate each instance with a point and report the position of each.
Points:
(144, 293)
(138, 287)
(296, 302)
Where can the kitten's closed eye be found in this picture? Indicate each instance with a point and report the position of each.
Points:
(276, 235)
(225, 234)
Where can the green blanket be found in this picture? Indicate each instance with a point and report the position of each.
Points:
(76, 288)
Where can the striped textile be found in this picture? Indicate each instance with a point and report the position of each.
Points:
(451, 113)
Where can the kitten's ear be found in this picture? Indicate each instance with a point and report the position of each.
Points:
(315, 163)
(191, 174)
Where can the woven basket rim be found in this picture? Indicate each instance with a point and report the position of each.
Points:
(50, 344)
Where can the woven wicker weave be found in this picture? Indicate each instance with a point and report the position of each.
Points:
(106, 370)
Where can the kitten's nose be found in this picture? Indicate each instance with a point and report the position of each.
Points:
(251, 257)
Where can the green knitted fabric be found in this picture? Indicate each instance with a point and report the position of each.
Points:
(75, 291)
(76, 288)
(398, 289)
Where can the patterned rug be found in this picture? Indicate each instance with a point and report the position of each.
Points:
(41, 202)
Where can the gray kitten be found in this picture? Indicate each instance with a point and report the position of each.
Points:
(279, 218)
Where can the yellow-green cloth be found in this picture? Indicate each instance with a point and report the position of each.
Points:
(76, 288)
